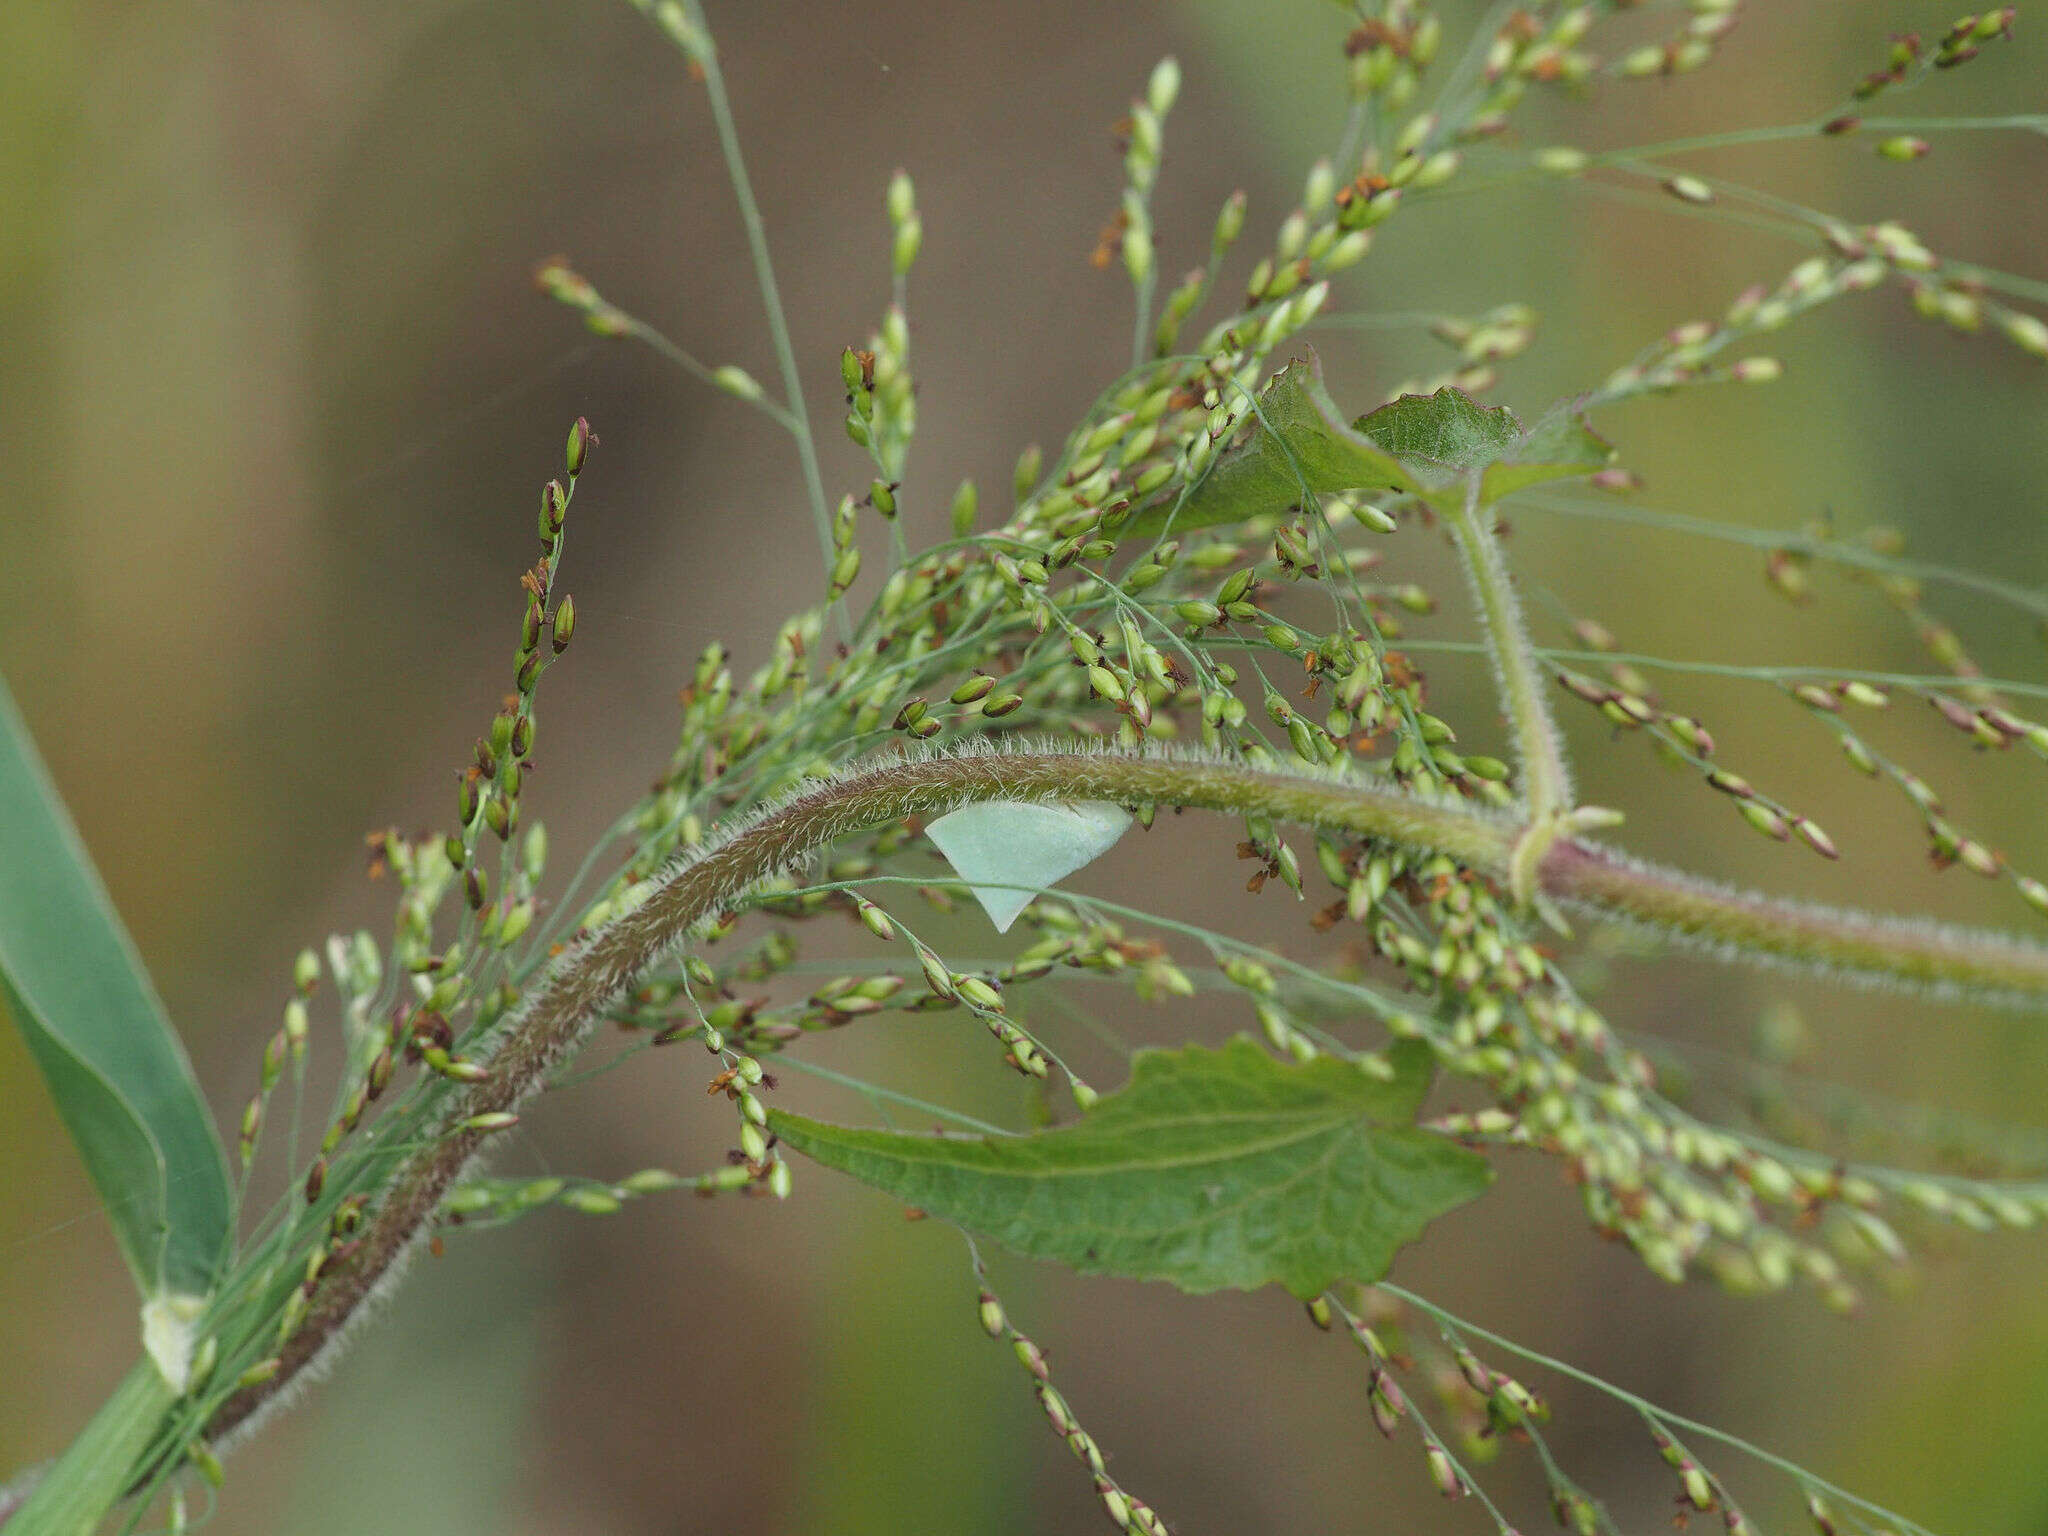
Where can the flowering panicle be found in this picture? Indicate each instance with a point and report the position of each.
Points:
(1136, 614)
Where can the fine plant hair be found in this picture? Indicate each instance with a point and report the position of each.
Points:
(1180, 610)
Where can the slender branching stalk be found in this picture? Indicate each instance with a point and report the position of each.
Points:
(694, 37)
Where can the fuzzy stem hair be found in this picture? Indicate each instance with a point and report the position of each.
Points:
(701, 884)
(1546, 780)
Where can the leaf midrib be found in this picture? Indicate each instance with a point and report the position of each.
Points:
(1234, 1152)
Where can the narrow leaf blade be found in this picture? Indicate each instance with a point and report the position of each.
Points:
(76, 988)
(1210, 1169)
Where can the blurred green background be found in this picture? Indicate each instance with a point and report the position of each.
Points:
(276, 394)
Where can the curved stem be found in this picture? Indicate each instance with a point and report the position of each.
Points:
(702, 883)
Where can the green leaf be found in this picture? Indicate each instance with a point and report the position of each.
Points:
(1446, 430)
(1299, 442)
(71, 1496)
(1443, 437)
(1298, 439)
(71, 978)
(1211, 1169)
(1559, 447)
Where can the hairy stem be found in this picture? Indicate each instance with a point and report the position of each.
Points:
(1750, 925)
(595, 972)
(1546, 781)
(701, 883)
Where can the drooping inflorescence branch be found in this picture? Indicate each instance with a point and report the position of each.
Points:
(700, 885)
